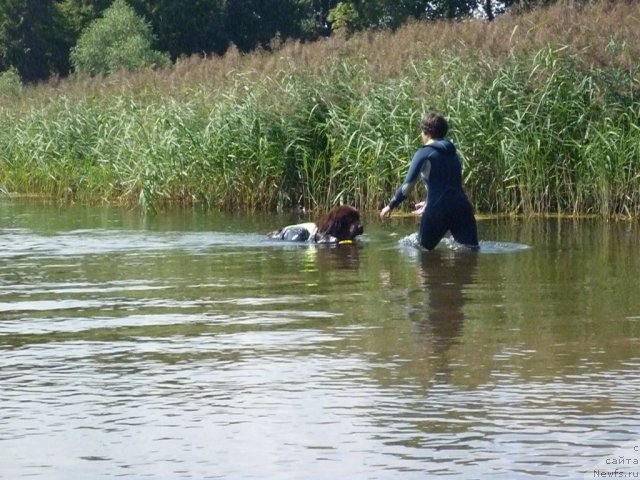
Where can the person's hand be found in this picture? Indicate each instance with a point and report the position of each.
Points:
(419, 208)
(385, 212)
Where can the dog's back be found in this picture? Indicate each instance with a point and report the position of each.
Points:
(300, 232)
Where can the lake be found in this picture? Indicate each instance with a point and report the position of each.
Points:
(187, 345)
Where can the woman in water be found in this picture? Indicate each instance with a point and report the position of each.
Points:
(447, 206)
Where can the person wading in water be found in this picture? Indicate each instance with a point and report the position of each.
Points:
(447, 207)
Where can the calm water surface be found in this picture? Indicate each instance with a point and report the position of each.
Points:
(188, 346)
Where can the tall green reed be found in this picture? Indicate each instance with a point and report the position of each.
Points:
(539, 132)
(539, 136)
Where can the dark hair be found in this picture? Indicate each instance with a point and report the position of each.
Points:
(434, 125)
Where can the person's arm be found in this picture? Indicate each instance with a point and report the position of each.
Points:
(413, 176)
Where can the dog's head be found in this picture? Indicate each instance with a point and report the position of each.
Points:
(342, 222)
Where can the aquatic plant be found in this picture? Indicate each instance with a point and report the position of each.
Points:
(545, 112)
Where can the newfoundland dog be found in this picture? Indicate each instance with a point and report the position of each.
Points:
(340, 225)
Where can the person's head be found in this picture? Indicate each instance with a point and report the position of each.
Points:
(434, 126)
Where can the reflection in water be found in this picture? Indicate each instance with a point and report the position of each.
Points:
(444, 275)
(171, 347)
(339, 256)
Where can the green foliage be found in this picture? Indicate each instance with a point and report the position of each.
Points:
(10, 84)
(119, 40)
(33, 39)
(537, 135)
(344, 18)
(78, 14)
(451, 9)
(541, 128)
(185, 28)
(36, 37)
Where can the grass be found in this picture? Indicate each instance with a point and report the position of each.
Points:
(544, 107)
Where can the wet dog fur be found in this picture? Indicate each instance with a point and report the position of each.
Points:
(341, 224)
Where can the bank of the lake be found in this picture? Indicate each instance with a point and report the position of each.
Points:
(544, 107)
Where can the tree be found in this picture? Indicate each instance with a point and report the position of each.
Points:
(312, 20)
(119, 40)
(78, 14)
(33, 39)
(450, 9)
(351, 15)
(344, 19)
(255, 23)
(187, 28)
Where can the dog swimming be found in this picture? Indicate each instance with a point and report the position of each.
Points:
(340, 225)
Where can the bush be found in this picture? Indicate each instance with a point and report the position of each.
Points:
(344, 19)
(10, 84)
(119, 40)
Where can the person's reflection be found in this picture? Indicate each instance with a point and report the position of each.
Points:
(445, 277)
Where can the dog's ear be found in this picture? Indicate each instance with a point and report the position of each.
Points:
(325, 223)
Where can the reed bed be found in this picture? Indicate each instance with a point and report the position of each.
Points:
(545, 111)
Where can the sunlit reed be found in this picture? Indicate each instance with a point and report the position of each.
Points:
(544, 107)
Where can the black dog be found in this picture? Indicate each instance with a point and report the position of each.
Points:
(340, 225)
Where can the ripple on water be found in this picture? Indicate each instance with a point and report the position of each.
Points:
(165, 373)
(22, 242)
(449, 244)
(234, 392)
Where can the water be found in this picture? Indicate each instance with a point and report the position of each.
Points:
(188, 346)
